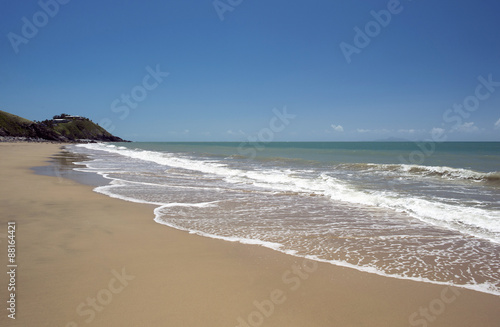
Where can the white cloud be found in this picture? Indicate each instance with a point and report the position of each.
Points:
(409, 131)
(378, 131)
(467, 127)
(438, 131)
(338, 128)
(497, 124)
(412, 131)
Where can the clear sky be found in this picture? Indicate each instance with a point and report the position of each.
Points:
(346, 70)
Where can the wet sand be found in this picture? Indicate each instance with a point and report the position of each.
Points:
(84, 259)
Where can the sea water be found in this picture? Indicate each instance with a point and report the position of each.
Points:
(353, 204)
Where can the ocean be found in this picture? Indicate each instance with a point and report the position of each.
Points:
(424, 212)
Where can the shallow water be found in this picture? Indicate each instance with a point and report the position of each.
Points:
(351, 204)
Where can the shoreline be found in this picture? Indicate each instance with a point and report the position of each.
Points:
(488, 287)
(75, 244)
(63, 164)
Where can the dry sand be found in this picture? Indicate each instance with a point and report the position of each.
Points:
(85, 259)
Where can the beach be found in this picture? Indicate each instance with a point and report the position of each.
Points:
(85, 259)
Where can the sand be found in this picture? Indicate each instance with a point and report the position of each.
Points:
(84, 259)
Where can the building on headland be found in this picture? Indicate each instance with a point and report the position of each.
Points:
(60, 121)
(66, 119)
(74, 117)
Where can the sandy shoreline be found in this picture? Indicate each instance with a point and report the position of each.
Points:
(88, 260)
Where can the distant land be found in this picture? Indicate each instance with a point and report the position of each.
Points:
(61, 128)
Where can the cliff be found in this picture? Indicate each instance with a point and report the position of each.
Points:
(63, 128)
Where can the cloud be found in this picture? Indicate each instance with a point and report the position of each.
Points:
(337, 128)
(497, 124)
(411, 131)
(438, 131)
(378, 131)
(467, 128)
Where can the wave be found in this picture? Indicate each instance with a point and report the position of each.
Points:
(474, 221)
(484, 287)
(425, 171)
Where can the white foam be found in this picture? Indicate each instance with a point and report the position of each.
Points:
(476, 222)
(159, 220)
(484, 287)
(449, 216)
(441, 171)
(106, 191)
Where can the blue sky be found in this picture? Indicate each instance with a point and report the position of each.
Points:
(215, 70)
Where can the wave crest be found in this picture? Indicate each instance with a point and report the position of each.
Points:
(426, 171)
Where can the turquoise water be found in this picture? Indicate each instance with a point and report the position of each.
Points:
(479, 156)
(427, 212)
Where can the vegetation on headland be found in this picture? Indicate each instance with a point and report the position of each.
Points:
(61, 128)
